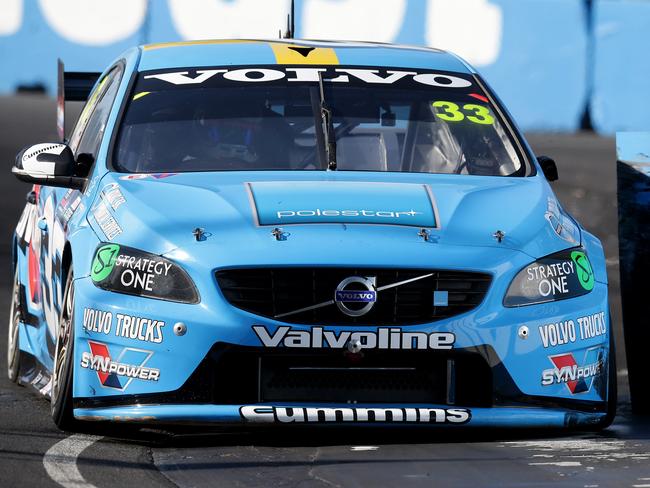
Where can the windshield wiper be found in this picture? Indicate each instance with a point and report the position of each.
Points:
(328, 127)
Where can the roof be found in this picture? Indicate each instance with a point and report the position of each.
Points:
(222, 52)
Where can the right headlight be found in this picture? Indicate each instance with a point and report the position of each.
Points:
(566, 274)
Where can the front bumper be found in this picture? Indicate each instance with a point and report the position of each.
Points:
(530, 377)
(265, 414)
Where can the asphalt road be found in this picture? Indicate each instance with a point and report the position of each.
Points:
(34, 453)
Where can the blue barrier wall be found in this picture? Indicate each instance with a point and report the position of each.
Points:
(535, 53)
(621, 76)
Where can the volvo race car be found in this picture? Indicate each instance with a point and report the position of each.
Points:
(291, 232)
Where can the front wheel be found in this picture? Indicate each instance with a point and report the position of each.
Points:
(61, 392)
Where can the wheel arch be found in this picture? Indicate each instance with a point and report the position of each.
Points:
(66, 261)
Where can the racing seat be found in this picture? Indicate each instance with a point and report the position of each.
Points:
(435, 149)
(365, 152)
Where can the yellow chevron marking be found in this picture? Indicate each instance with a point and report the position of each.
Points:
(318, 55)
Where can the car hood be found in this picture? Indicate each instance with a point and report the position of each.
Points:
(324, 214)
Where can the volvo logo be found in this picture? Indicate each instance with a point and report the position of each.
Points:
(355, 296)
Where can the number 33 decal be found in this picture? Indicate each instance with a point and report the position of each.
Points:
(450, 112)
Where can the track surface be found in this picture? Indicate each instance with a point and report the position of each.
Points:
(618, 457)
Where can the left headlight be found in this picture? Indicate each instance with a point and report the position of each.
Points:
(127, 270)
(566, 274)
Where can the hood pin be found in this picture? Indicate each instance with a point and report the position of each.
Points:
(499, 235)
(279, 234)
(199, 234)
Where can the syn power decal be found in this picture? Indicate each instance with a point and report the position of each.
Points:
(578, 377)
(118, 372)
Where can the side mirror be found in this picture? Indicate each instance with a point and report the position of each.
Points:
(50, 164)
(549, 168)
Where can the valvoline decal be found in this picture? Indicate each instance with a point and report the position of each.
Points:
(318, 202)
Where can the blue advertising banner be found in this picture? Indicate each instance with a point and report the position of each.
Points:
(533, 52)
(621, 98)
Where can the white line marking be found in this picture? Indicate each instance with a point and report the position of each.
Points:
(561, 464)
(60, 460)
(364, 448)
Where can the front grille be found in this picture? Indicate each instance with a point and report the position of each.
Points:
(335, 379)
(241, 375)
(333, 376)
(271, 292)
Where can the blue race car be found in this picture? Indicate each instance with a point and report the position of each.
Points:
(293, 232)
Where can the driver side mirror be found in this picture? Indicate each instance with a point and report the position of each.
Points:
(49, 164)
(549, 168)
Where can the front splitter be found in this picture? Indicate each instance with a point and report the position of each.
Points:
(345, 414)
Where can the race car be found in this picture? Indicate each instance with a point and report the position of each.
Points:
(290, 232)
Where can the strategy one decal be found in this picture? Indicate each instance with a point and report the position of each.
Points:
(131, 271)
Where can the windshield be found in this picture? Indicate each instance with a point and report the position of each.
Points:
(271, 118)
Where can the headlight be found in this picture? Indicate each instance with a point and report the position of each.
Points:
(126, 270)
(566, 274)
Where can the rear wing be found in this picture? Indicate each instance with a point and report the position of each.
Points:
(72, 87)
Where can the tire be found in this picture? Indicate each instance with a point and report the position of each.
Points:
(13, 340)
(61, 393)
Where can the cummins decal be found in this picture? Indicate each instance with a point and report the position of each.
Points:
(287, 415)
(382, 338)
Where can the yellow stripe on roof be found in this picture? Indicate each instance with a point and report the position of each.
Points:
(163, 45)
(302, 54)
